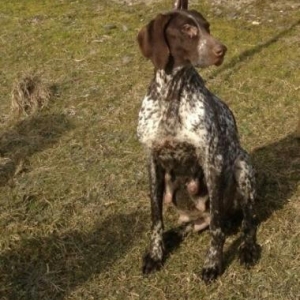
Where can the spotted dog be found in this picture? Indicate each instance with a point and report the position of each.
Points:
(191, 138)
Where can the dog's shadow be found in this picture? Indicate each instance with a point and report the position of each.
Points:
(278, 168)
(278, 174)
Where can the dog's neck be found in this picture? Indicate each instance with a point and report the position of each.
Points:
(169, 85)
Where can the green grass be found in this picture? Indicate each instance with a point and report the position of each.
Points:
(74, 214)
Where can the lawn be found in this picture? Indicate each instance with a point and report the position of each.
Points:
(75, 212)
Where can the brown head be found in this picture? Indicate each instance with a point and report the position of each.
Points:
(180, 38)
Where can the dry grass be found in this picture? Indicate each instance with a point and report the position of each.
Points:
(29, 94)
(74, 202)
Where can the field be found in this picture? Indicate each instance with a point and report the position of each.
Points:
(75, 212)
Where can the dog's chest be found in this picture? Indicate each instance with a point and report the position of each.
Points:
(182, 121)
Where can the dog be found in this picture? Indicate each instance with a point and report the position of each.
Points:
(191, 139)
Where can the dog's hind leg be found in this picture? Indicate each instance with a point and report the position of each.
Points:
(154, 256)
(214, 177)
(245, 178)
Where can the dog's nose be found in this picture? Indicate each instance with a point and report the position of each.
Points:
(220, 50)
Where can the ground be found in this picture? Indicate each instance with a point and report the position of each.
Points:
(75, 214)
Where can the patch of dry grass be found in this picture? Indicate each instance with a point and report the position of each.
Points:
(29, 94)
(74, 212)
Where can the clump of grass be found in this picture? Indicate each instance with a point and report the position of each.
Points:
(30, 93)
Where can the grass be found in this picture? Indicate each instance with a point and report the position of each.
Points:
(74, 202)
(29, 94)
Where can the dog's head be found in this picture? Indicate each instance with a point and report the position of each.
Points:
(180, 38)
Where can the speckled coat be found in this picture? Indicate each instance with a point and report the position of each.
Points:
(187, 130)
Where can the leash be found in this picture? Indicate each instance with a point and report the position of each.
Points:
(181, 4)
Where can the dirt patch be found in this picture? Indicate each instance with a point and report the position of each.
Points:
(254, 11)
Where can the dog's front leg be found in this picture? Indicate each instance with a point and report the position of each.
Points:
(213, 261)
(154, 256)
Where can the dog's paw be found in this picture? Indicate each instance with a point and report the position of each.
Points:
(150, 264)
(209, 274)
(249, 254)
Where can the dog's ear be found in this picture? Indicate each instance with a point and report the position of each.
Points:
(152, 41)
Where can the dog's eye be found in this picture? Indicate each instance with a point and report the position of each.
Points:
(189, 30)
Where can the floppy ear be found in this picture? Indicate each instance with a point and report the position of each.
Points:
(152, 41)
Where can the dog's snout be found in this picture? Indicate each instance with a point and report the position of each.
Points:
(220, 50)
